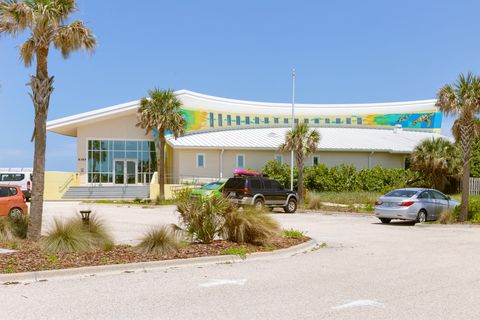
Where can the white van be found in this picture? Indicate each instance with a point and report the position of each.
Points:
(19, 177)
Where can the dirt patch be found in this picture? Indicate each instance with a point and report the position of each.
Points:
(29, 256)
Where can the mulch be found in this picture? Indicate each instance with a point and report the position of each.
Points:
(30, 257)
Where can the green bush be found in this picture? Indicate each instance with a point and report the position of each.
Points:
(280, 172)
(19, 225)
(6, 232)
(321, 178)
(159, 240)
(473, 212)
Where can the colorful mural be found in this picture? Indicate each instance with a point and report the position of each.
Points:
(208, 120)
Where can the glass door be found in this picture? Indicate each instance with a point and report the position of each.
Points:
(125, 171)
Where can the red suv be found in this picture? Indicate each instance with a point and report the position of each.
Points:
(12, 201)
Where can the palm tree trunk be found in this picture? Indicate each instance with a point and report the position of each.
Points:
(42, 88)
(465, 192)
(300, 164)
(161, 164)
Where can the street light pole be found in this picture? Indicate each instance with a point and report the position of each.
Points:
(293, 127)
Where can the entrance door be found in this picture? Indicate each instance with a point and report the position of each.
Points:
(125, 171)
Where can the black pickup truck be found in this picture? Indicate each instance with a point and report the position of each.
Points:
(260, 192)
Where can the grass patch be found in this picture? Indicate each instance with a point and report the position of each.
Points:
(346, 198)
(292, 233)
(236, 251)
(159, 240)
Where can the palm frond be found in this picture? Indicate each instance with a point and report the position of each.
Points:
(74, 37)
(27, 50)
(14, 17)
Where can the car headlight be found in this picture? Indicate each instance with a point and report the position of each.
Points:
(206, 194)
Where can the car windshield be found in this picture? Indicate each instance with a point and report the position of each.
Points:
(401, 193)
(212, 186)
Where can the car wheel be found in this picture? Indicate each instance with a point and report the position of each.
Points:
(258, 204)
(422, 216)
(15, 213)
(385, 220)
(291, 206)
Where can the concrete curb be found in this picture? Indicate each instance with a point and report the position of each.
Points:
(45, 275)
(447, 226)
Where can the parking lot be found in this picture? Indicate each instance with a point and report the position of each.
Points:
(366, 270)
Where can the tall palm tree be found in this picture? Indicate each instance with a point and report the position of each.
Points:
(161, 112)
(303, 142)
(46, 22)
(462, 99)
(438, 161)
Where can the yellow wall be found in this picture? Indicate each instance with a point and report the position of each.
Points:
(169, 189)
(57, 183)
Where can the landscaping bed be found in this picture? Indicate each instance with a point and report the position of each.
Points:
(30, 257)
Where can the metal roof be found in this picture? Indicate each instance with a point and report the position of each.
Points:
(332, 139)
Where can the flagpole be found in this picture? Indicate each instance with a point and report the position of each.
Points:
(293, 127)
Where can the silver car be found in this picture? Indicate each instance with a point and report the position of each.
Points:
(413, 204)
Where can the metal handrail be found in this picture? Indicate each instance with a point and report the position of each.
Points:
(64, 186)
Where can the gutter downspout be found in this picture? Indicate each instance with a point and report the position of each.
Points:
(370, 160)
(221, 163)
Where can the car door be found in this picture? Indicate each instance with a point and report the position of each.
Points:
(427, 202)
(4, 201)
(279, 190)
(441, 202)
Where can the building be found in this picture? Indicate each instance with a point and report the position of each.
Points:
(223, 134)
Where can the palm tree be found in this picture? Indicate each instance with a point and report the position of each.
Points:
(45, 19)
(303, 142)
(161, 112)
(462, 99)
(438, 161)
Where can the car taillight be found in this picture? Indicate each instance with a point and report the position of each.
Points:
(28, 186)
(406, 203)
(378, 203)
(245, 190)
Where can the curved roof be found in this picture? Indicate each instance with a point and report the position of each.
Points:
(197, 101)
(332, 139)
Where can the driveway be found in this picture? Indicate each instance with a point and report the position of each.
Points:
(367, 271)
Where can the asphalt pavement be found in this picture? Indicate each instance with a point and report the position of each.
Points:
(366, 271)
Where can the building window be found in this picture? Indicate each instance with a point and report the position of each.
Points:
(338, 121)
(296, 120)
(211, 120)
(220, 119)
(305, 121)
(257, 120)
(279, 158)
(316, 121)
(359, 120)
(240, 161)
(349, 121)
(247, 120)
(266, 120)
(237, 120)
(327, 121)
(102, 155)
(285, 120)
(200, 160)
(316, 160)
(275, 120)
(229, 120)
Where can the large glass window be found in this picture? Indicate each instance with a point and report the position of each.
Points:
(102, 154)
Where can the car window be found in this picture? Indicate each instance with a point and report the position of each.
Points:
(4, 192)
(13, 191)
(401, 193)
(212, 186)
(425, 195)
(11, 176)
(267, 184)
(254, 184)
(235, 183)
(276, 185)
(438, 195)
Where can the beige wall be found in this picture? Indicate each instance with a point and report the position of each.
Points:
(118, 128)
(184, 161)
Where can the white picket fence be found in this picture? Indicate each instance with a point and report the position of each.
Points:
(475, 186)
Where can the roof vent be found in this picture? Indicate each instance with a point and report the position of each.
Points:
(272, 135)
(398, 128)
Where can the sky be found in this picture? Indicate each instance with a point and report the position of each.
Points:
(344, 51)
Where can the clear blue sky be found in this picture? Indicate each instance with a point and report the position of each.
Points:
(344, 51)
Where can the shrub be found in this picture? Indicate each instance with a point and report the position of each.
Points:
(159, 240)
(314, 202)
(292, 233)
(249, 226)
(99, 233)
(448, 216)
(6, 232)
(69, 236)
(19, 225)
(202, 219)
(280, 172)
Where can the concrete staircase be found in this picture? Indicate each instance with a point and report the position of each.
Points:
(107, 192)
